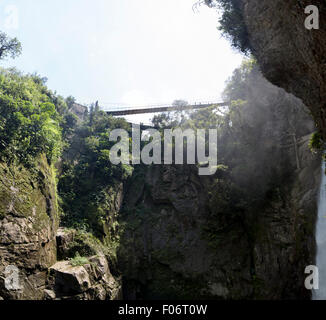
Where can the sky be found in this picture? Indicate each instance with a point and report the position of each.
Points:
(121, 52)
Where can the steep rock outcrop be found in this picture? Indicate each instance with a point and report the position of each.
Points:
(289, 55)
(28, 224)
(284, 238)
(91, 280)
(245, 233)
(161, 247)
(166, 251)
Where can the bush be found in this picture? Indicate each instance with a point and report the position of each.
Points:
(78, 261)
(29, 121)
(316, 142)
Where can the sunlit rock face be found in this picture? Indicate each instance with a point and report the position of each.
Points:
(91, 279)
(289, 55)
(28, 224)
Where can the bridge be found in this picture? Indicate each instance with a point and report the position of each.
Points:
(163, 108)
(80, 110)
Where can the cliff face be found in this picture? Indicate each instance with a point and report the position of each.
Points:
(289, 55)
(166, 250)
(245, 233)
(37, 252)
(162, 252)
(164, 243)
(28, 224)
(284, 243)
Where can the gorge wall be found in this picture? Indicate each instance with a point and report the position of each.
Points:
(289, 55)
(168, 251)
(28, 224)
(183, 236)
(171, 242)
(244, 233)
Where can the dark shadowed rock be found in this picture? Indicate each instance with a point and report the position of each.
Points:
(289, 55)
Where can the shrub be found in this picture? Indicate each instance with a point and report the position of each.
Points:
(316, 142)
(78, 261)
(29, 121)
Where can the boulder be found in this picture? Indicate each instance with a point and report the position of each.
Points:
(70, 280)
(49, 295)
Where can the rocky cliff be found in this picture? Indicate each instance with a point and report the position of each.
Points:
(289, 55)
(170, 243)
(28, 225)
(36, 258)
(168, 251)
(246, 232)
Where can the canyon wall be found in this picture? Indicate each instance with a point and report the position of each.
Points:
(167, 250)
(246, 232)
(28, 224)
(290, 55)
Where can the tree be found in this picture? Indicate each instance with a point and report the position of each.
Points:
(231, 22)
(29, 120)
(209, 3)
(180, 103)
(70, 101)
(9, 46)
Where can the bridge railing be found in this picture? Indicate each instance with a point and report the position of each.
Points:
(119, 111)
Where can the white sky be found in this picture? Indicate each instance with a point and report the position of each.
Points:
(121, 51)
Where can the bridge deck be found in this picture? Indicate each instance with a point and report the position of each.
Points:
(164, 109)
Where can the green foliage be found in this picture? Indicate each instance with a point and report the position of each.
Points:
(180, 103)
(316, 142)
(29, 120)
(232, 24)
(69, 124)
(238, 84)
(30, 191)
(9, 46)
(82, 243)
(78, 261)
(88, 174)
(164, 120)
(70, 101)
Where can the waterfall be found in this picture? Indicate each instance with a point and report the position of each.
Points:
(320, 294)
